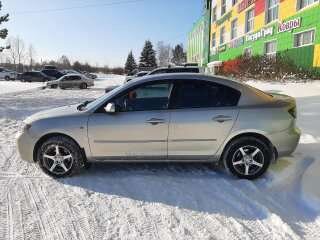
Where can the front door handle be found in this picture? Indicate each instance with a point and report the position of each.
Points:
(222, 118)
(155, 121)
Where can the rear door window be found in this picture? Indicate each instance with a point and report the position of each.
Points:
(201, 94)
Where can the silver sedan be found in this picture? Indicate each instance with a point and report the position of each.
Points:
(71, 81)
(169, 117)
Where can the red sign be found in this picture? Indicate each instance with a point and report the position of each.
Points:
(289, 25)
(245, 4)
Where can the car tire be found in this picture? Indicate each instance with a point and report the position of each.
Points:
(83, 86)
(54, 86)
(60, 157)
(7, 78)
(247, 157)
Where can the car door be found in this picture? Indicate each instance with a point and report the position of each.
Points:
(139, 128)
(65, 82)
(202, 116)
(76, 81)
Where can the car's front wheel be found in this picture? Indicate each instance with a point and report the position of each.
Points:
(248, 157)
(60, 157)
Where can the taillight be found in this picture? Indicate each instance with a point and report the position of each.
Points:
(293, 112)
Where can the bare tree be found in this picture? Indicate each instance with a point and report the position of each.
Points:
(64, 62)
(31, 56)
(164, 51)
(16, 51)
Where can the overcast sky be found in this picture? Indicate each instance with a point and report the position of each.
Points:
(99, 31)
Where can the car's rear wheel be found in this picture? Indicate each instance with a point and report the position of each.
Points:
(7, 78)
(60, 157)
(83, 86)
(247, 157)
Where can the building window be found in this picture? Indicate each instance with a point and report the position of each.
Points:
(249, 20)
(305, 3)
(270, 48)
(234, 28)
(223, 7)
(234, 2)
(304, 38)
(248, 52)
(222, 35)
(273, 10)
(214, 14)
(213, 40)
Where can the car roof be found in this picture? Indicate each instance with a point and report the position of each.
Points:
(73, 75)
(250, 95)
(186, 76)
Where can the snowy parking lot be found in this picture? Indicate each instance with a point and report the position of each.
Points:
(157, 201)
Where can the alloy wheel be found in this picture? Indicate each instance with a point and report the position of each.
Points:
(57, 159)
(248, 160)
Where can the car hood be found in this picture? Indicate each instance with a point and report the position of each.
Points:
(53, 113)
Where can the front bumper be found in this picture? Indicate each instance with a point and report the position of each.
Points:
(286, 141)
(25, 144)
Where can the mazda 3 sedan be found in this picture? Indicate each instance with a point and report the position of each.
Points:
(170, 118)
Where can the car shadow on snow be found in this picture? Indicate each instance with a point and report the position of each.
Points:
(195, 187)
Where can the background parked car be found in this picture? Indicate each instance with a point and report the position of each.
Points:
(50, 67)
(34, 76)
(186, 69)
(72, 81)
(7, 74)
(52, 73)
(139, 74)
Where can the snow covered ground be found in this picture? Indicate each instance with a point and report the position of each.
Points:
(15, 86)
(157, 201)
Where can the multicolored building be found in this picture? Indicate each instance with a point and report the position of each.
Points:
(257, 27)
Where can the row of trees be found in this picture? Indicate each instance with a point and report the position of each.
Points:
(150, 59)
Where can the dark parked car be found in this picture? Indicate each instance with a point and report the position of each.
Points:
(53, 73)
(50, 67)
(186, 69)
(34, 76)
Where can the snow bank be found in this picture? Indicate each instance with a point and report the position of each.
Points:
(10, 86)
(108, 80)
(297, 90)
(306, 161)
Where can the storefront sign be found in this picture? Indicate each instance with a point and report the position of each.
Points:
(245, 4)
(236, 42)
(222, 48)
(289, 25)
(261, 34)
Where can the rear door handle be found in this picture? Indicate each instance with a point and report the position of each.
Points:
(155, 121)
(222, 118)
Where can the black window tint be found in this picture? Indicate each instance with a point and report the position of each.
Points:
(192, 94)
(145, 98)
(75, 78)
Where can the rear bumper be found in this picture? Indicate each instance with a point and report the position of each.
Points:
(286, 141)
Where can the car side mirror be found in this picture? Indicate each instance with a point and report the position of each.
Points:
(110, 108)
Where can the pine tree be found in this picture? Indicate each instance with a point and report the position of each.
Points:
(148, 56)
(4, 31)
(178, 55)
(130, 63)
